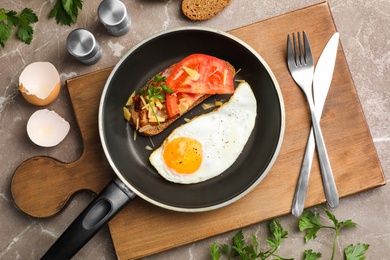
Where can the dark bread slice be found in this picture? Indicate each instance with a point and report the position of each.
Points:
(154, 129)
(203, 9)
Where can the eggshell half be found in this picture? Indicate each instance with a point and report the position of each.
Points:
(40, 83)
(46, 128)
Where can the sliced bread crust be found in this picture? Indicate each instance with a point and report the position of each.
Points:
(156, 129)
(203, 9)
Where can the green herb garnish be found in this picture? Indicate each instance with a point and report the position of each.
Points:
(310, 222)
(310, 255)
(159, 78)
(166, 89)
(66, 11)
(9, 19)
(252, 251)
(356, 252)
(156, 90)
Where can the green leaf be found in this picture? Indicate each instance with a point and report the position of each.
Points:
(3, 16)
(332, 217)
(310, 255)
(5, 33)
(11, 17)
(151, 91)
(272, 242)
(310, 222)
(225, 249)
(159, 78)
(215, 254)
(249, 252)
(71, 8)
(28, 16)
(281, 258)
(347, 223)
(238, 241)
(68, 6)
(278, 235)
(277, 229)
(159, 96)
(254, 242)
(61, 16)
(23, 20)
(66, 11)
(356, 252)
(25, 33)
(245, 252)
(167, 89)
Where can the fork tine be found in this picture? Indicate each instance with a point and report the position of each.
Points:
(296, 51)
(291, 61)
(301, 53)
(308, 55)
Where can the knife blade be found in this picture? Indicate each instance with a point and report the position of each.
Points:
(321, 82)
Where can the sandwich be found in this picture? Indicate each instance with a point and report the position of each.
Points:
(176, 90)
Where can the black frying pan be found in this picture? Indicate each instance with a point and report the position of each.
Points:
(130, 160)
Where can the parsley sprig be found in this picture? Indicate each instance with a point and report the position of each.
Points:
(310, 223)
(310, 255)
(252, 251)
(156, 90)
(356, 252)
(161, 80)
(66, 11)
(22, 21)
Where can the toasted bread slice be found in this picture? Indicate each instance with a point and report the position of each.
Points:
(139, 117)
(153, 129)
(203, 9)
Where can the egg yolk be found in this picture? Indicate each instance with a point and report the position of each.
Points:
(184, 155)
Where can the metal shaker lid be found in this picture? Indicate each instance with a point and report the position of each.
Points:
(114, 16)
(83, 46)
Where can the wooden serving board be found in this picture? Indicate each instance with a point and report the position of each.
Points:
(41, 185)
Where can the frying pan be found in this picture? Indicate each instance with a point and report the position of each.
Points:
(129, 158)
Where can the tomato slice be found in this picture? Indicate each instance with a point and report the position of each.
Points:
(172, 104)
(180, 101)
(201, 74)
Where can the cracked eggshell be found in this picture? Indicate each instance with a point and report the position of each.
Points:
(46, 128)
(40, 83)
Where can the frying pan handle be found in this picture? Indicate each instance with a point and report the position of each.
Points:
(101, 210)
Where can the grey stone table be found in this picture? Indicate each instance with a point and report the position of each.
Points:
(365, 38)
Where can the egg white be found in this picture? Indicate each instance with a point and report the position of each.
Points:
(222, 133)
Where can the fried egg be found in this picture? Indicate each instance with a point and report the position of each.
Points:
(209, 144)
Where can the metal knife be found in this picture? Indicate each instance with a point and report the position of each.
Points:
(321, 83)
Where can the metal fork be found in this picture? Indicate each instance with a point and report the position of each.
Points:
(301, 65)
